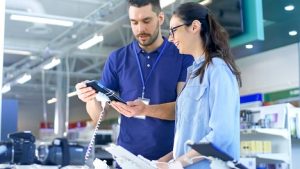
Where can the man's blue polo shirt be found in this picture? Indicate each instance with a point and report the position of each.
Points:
(150, 137)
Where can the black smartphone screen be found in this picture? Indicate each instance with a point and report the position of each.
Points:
(109, 93)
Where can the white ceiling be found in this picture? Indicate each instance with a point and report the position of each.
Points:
(108, 18)
(47, 41)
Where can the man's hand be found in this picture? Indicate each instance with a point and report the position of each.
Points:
(132, 108)
(85, 93)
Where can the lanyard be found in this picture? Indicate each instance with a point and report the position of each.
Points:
(140, 68)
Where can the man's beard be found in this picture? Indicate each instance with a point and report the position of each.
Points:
(151, 39)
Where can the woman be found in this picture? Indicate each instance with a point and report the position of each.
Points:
(207, 110)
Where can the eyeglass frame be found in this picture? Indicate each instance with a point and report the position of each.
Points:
(174, 29)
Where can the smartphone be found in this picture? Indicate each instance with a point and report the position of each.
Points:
(98, 87)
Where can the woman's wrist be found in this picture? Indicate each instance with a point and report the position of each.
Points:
(187, 161)
(184, 161)
(175, 164)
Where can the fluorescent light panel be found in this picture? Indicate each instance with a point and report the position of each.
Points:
(165, 3)
(6, 88)
(42, 20)
(72, 94)
(53, 100)
(23, 79)
(54, 62)
(205, 2)
(32, 57)
(17, 52)
(91, 42)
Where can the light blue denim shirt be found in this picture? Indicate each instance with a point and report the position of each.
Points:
(209, 112)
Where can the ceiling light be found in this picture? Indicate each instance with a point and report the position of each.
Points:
(53, 100)
(166, 3)
(23, 79)
(249, 46)
(17, 52)
(32, 57)
(72, 94)
(54, 62)
(293, 33)
(73, 36)
(6, 88)
(289, 7)
(205, 2)
(91, 42)
(42, 20)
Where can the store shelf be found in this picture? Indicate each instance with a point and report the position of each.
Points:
(276, 132)
(279, 137)
(280, 157)
(268, 157)
(295, 139)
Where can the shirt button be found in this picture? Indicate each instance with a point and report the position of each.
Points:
(148, 65)
(148, 57)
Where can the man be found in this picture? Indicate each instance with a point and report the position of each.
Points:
(151, 70)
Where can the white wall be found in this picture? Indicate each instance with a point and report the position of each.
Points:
(269, 71)
(31, 114)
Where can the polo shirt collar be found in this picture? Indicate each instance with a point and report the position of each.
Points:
(139, 49)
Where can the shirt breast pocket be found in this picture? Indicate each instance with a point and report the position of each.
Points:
(196, 92)
(195, 102)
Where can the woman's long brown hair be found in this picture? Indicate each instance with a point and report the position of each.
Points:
(213, 35)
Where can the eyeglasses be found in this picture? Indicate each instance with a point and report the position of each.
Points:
(174, 29)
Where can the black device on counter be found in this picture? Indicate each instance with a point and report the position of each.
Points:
(210, 150)
(20, 149)
(61, 152)
(109, 93)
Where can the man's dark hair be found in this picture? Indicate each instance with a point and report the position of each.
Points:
(140, 3)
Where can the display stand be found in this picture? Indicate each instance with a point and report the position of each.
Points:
(278, 134)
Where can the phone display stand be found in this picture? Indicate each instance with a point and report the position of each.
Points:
(127, 160)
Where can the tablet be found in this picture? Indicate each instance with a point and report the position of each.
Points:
(98, 87)
(209, 150)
